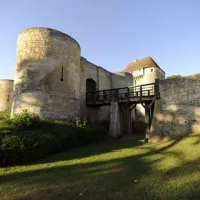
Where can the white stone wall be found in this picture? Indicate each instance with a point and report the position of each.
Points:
(148, 76)
(41, 55)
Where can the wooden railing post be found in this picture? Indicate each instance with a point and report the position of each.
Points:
(141, 93)
(124, 94)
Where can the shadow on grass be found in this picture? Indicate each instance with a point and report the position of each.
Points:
(96, 148)
(133, 174)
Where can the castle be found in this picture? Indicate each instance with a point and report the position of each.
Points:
(53, 80)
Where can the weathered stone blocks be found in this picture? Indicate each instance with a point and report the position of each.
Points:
(6, 94)
(178, 110)
(47, 79)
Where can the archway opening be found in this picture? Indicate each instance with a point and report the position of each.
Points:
(90, 85)
(90, 91)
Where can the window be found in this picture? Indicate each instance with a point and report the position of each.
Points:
(151, 70)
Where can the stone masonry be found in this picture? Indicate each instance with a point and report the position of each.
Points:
(178, 110)
(6, 94)
(51, 80)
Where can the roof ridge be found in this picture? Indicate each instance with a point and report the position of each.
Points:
(140, 64)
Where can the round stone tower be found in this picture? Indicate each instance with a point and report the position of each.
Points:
(6, 88)
(47, 80)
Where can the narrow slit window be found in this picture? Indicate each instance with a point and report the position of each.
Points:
(62, 75)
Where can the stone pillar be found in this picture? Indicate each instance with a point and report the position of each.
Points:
(115, 120)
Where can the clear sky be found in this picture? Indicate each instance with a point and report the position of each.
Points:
(111, 33)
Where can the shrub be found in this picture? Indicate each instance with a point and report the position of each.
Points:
(174, 77)
(81, 123)
(21, 146)
(5, 114)
(26, 120)
(11, 148)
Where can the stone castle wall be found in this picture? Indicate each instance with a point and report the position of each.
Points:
(51, 77)
(121, 79)
(88, 70)
(6, 94)
(102, 78)
(43, 55)
(178, 110)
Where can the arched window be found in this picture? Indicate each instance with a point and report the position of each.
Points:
(90, 85)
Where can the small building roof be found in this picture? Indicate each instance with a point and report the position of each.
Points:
(140, 64)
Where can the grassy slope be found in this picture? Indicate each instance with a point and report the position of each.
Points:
(108, 170)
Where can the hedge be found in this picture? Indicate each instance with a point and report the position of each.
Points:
(27, 143)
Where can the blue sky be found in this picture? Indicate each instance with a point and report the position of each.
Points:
(111, 33)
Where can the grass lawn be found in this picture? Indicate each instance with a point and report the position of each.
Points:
(115, 169)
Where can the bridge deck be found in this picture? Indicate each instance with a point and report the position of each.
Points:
(132, 95)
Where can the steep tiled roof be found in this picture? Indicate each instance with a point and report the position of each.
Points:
(140, 64)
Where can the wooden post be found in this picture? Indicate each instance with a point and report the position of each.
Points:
(151, 114)
(146, 122)
(122, 118)
(141, 93)
(130, 121)
(127, 119)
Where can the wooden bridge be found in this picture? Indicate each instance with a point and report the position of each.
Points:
(128, 98)
(132, 95)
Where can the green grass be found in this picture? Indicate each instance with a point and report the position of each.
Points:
(114, 169)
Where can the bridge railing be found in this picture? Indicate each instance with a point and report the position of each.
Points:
(123, 94)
